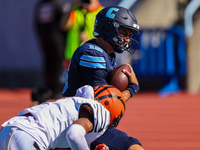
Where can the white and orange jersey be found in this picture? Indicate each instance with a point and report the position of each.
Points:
(50, 121)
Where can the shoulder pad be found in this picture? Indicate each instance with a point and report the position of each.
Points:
(93, 57)
(95, 47)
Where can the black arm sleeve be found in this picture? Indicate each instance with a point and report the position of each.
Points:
(86, 111)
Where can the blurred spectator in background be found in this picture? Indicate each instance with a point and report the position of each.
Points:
(79, 25)
(48, 15)
(40, 95)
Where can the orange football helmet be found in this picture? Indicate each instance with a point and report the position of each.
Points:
(113, 100)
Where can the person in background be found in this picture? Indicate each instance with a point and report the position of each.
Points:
(48, 14)
(79, 25)
(115, 29)
(40, 95)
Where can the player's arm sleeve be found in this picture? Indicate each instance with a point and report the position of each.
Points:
(77, 131)
(93, 67)
(76, 137)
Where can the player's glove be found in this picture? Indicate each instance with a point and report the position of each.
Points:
(101, 147)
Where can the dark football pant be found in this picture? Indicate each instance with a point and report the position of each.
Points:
(115, 140)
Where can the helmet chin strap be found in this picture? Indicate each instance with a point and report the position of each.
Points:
(119, 49)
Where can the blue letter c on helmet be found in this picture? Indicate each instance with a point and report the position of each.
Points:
(109, 14)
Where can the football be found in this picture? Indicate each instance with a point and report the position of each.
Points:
(117, 78)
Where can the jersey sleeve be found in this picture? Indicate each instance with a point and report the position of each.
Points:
(94, 77)
(93, 66)
(101, 120)
(100, 115)
(93, 58)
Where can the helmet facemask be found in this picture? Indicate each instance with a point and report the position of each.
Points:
(116, 121)
(125, 39)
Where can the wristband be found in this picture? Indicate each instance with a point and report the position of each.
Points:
(133, 88)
